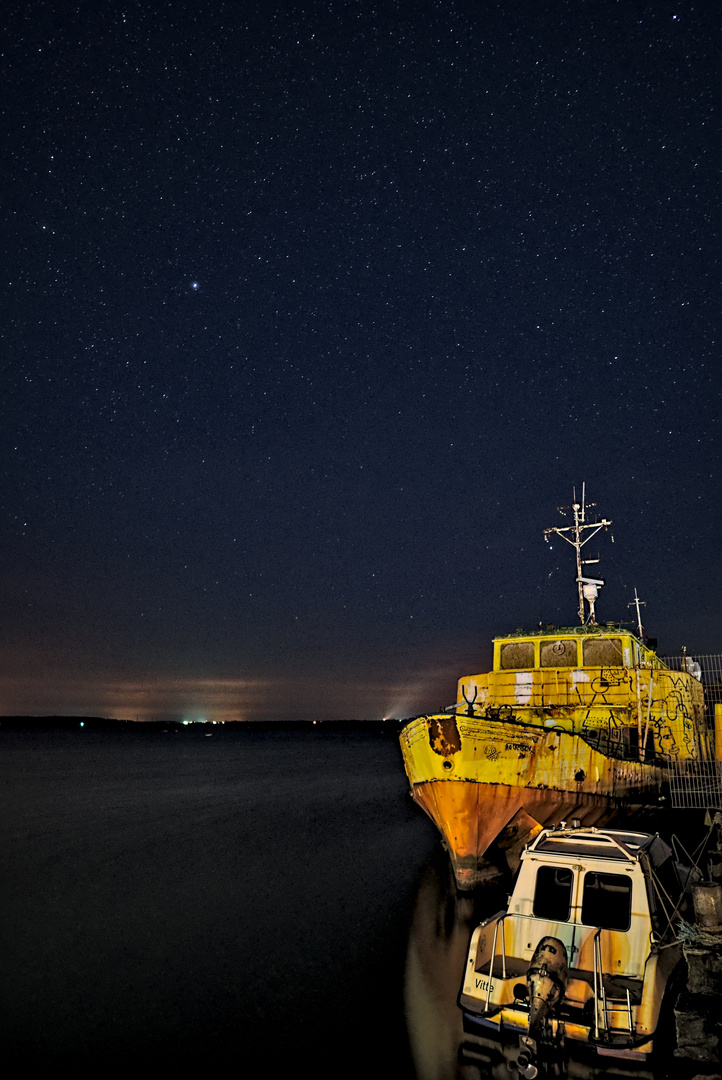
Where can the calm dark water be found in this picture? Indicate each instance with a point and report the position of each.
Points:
(239, 901)
(266, 902)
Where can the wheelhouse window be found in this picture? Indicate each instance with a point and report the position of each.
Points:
(558, 653)
(517, 655)
(607, 901)
(603, 652)
(553, 893)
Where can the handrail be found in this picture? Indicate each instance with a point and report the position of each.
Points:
(591, 835)
(601, 1008)
(598, 982)
(497, 924)
(600, 997)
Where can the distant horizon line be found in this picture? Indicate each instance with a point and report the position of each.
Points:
(61, 719)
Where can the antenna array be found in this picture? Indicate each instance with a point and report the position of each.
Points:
(587, 587)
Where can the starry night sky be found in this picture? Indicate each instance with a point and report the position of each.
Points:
(314, 315)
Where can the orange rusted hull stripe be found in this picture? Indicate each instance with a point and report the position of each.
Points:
(472, 816)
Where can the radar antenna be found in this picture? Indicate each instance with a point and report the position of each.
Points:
(588, 588)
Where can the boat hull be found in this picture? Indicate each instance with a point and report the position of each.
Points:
(499, 783)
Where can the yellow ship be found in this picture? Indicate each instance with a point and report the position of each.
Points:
(584, 722)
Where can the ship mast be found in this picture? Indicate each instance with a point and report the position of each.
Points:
(588, 588)
(637, 603)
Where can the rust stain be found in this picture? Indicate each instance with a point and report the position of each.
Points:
(444, 735)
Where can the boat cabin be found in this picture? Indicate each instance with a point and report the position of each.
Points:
(601, 893)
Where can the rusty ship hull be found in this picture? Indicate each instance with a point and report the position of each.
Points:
(529, 744)
(492, 785)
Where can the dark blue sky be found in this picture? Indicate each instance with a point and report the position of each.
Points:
(315, 313)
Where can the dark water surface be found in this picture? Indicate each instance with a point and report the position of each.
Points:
(264, 902)
(237, 901)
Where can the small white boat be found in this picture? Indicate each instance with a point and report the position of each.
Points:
(586, 952)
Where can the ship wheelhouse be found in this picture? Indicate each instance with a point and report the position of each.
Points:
(601, 683)
(587, 647)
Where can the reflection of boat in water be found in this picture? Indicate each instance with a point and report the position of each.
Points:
(441, 927)
(585, 722)
(585, 951)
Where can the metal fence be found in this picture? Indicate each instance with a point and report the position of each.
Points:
(698, 784)
(695, 785)
(710, 671)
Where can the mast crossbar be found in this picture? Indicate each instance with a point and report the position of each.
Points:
(587, 587)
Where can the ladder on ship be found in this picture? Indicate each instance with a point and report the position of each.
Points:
(605, 1005)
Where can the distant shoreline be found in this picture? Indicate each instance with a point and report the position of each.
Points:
(102, 723)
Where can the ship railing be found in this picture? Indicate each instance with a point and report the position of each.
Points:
(500, 933)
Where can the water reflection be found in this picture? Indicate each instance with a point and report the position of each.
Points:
(441, 928)
(438, 942)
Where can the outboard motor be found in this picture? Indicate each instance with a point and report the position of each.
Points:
(546, 981)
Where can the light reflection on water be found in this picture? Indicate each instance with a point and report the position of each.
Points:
(441, 928)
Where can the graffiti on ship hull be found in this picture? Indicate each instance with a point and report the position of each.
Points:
(606, 714)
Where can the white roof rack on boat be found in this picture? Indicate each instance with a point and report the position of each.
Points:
(595, 843)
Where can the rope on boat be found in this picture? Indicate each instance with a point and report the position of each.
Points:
(695, 935)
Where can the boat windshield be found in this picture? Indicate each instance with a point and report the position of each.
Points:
(556, 654)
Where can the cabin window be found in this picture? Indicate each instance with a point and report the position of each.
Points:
(603, 652)
(517, 655)
(553, 893)
(558, 653)
(607, 901)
